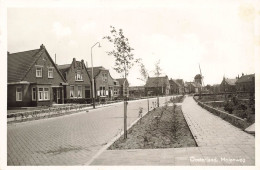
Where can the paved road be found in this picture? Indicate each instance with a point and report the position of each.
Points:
(70, 139)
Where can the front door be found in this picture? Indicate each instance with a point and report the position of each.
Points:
(56, 95)
(87, 93)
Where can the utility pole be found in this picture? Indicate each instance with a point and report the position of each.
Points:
(92, 76)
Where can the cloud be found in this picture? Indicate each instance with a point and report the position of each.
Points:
(60, 30)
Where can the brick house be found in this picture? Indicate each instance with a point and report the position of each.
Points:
(246, 83)
(116, 89)
(124, 87)
(103, 83)
(33, 79)
(136, 91)
(193, 87)
(176, 86)
(76, 75)
(157, 86)
(228, 85)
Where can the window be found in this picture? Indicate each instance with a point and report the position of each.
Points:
(78, 76)
(102, 91)
(33, 94)
(40, 93)
(71, 91)
(104, 77)
(46, 93)
(18, 93)
(115, 92)
(38, 71)
(43, 93)
(79, 92)
(50, 72)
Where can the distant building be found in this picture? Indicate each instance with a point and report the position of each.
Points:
(228, 85)
(176, 86)
(215, 88)
(116, 89)
(198, 79)
(124, 87)
(33, 79)
(246, 83)
(157, 86)
(136, 91)
(103, 83)
(78, 79)
(193, 87)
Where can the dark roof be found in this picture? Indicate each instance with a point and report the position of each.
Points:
(19, 63)
(156, 81)
(198, 76)
(64, 68)
(246, 78)
(180, 81)
(96, 71)
(121, 81)
(194, 84)
(231, 82)
(171, 81)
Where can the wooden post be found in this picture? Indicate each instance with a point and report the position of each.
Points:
(62, 95)
(125, 118)
(57, 91)
(148, 103)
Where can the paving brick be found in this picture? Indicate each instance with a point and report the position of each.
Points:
(220, 143)
(70, 139)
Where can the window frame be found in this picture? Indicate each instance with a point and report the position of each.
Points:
(17, 94)
(72, 92)
(78, 75)
(52, 71)
(80, 92)
(43, 93)
(41, 70)
(34, 92)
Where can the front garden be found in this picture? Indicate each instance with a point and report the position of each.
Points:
(163, 127)
(242, 106)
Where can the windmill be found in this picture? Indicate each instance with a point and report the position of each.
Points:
(201, 77)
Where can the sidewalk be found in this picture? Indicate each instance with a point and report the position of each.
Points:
(219, 143)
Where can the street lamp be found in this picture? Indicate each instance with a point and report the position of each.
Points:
(93, 88)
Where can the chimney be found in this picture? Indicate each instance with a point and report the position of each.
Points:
(8, 52)
(42, 47)
(238, 76)
(82, 64)
(74, 61)
(242, 74)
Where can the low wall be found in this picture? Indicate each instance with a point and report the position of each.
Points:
(45, 113)
(234, 120)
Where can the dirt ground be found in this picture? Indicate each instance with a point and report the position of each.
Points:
(168, 131)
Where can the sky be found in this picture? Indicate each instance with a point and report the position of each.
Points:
(219, 36)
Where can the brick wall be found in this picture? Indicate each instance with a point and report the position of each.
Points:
(45, 62)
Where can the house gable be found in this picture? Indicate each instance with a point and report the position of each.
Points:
(72, 70)
(45, 62)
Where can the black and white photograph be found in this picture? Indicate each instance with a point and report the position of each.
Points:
(129, 83)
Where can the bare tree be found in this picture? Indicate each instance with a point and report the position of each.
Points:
(124, 60)
(144, 77)
(157, 73)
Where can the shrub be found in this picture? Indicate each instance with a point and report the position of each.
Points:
(229, 107)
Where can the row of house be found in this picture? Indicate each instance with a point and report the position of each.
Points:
(245, 83)
(165, 86)
(35, 80)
